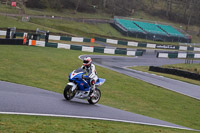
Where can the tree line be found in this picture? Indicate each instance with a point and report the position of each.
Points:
(182, 11)
(185, 11)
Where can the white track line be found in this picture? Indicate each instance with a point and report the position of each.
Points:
(94, 118)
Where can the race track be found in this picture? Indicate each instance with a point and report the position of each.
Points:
(120, 64)
(21, 99)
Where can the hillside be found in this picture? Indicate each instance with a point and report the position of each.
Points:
(103, 30)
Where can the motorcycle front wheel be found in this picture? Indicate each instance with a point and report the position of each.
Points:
(96, 97)
(68, 93)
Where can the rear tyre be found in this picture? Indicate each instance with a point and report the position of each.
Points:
(68, 93)
(96, 97)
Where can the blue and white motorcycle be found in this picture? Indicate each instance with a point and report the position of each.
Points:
(79, 87)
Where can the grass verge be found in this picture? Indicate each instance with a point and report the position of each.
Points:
(78, 28)
(6, 22)
(48, 68)
(16, 123)
(191, 67)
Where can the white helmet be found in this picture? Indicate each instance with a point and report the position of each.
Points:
(87, 61)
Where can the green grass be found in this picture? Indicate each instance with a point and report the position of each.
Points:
(190, 67)
(48, 68)
(38, 124)
(6, 22)
(52, 12)
(77, 28)
(187, 67)
(8, 9)
(67, 13)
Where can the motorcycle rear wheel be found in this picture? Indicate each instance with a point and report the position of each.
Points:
(96, 98)
(68, 93)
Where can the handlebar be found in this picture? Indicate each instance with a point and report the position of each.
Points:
(86, 78)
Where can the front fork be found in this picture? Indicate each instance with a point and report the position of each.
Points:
(73, 85)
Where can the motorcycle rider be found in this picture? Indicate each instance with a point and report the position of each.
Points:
(89, 67)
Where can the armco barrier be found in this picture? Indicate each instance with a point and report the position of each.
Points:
(57, 38)
(147, 45)
(54, 45)
(2, 33)
(179, 55)
(19, 34)
(113, 41)
(181, 73)
(11, 41)
(65, 38)
(119, 42)
(86, 48)
(99, 49)
(72, 39)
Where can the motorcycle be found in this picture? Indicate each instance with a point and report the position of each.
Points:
(79, 87)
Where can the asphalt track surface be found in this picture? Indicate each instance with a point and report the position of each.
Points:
(121, 64)
(21, 99)
(16, 99)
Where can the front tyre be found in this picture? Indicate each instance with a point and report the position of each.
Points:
(96, 97)
(68, 93)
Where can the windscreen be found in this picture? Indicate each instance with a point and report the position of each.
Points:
(79, 70)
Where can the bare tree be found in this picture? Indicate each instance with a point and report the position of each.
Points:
(21, 4)
(189, 20)
(198, 18)
(193, 11)
(169, 8)
(104, 3)
(186, 7)
(77, 6)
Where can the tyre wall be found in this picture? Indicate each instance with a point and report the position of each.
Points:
(11, 41)
(181, 73)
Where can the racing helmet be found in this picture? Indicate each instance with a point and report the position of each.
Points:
(87, 61)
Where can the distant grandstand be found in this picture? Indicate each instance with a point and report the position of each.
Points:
(150, 30)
